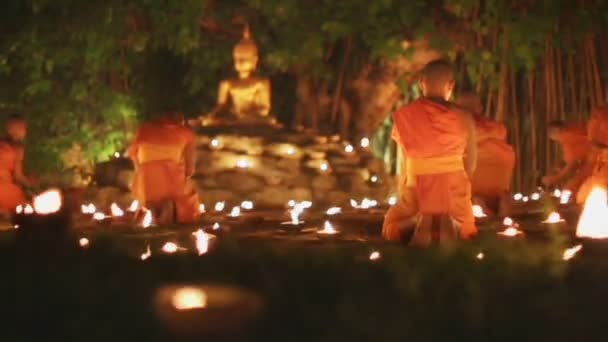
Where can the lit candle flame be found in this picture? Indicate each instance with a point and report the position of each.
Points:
(83, 242)
(88, 209)
(290, 151)
(219, 206)
(557, 193)
(324, 167)
(215, 143)
(116, 210)
(202, 241)
(511, 232)
(243, 164)
(99, 216)
(554, 217)
(247, 205)
(236, 212)
(518, 197)
(478, 211)
(146, 254)
(216, 226)
(525, 199)
(565, 197)
(188, 298)
(48, 202)
(201, 208)
(535, 196)
(28, 209)
(571, 252)
(373, 179)
(374, 255)
(349, 148)
(508, 221)
(19, 209)
(170, 247)
(334, 211)
(134, 206)
(392, 200)
(480, 256)
(328, 229)
(116, 155)
(594, 218)
(147, 220)
(365, 142)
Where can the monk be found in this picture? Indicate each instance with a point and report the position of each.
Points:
(12, 178)
(576, 148)
(491, 182)
(597, 166)
(163, 153)
(438, 141)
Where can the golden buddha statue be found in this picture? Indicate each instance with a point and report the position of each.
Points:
(245, 99)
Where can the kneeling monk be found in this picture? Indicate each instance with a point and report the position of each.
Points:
(597, 132)
(11, 166)
(438, 141)
(576, 149)
(495, 157)
(163, 153)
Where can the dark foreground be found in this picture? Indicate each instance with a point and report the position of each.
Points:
(520, 290)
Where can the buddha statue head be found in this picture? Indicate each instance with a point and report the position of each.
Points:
(245, 55)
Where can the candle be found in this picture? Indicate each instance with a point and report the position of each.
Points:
(116, 210)
(83, 242)
(349, 148)
(554, 217)
(215, 143)
(235, 212)
(334, 211)
(134, 206)
(170, 247)
(565, 197)
(478, 211)
(188, 298)
(219, 206)
(480, 256)
(202, 241)
(373, 179)
(328, 229)
(374, 256)
(324, 167)
(518, 197)
(365, 142)
(243, 164)
(569, 253)
(147, 220)
(392, 200)
(511, 232)
(247, 205)
(508, 222)
(201, 208)
(146, 254)
(535, 196)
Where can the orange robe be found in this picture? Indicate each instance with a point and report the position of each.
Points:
(158, 152)
(495, 160)
(433, 136)
(596, 169)
(576, 147)
(11, 194)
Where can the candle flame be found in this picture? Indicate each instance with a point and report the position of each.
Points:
(569, 253)
(236, 212)
(535, 196)
(116, 210)
(525, 199)
(189, 298)
(147, 220)
(392, 200)
(478, 211)
(99, 216)
(116, 154)
(83, 242)
(324, 167)
(334, 211)
(518, 197)
(557, 193)
(593, 219)
(247, 205)
(365, 142)
(565, 197)
(134, 206)
(201, 208)
(508, 222)
(219, 206)
(215, 143)
(553, 217)
(28, 209)
(375, 255)
(202, 241)
(216, 226)
(349, 148)
(290, 151)
(480, 256)
(170, 247)
(373, 179)
(88, 209)
(19, 209)
(243, 164)
(146, 254)
(48, 202)
(511, 232)
(328, 229)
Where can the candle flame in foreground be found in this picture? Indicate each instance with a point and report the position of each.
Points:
(565, 197)
(247, 205)
(243, 164)
(19, 209)
(83, 242)
(134, 206)
(593, 220)
(215, 143)
(375, 255)
(554, 217)
(535, 196)
(557, 193)
(334, 211)
(324, 167)
(328, 229)
(219, 206)
(116, 210)
(188, 298)
(366, 203)
(525, 199)
(48, 202)
(569, 253)
(511, 232)
(170, 247)
(478, 211)
(518, 197)
(236, 212)
(349, 148)
(88, 209)
(146, 254)
(147, 220)
(202, 241)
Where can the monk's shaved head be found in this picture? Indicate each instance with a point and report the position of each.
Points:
(437, 79)
(16, 127)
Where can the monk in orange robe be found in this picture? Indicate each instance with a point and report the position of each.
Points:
(491, 182)
(576, 149)
(597, 166)
(163, 153)
(12, 177)
(438, 141)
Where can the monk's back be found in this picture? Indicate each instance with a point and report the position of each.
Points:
(429, 129)
(164, 133)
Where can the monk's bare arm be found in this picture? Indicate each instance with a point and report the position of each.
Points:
(470, 157)
(19, 175)
(190, 158)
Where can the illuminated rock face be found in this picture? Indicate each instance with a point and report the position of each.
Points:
(271, 168)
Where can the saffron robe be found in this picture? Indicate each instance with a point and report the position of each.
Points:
(11, 194)
(596, 167)
(434, 137)
(159, 152)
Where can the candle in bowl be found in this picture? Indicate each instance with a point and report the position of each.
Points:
(511, 232)
(203, 241)
(328, 231)
(554, 220)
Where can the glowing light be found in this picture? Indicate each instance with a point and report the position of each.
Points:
(334, 211)
(324, 167)
(508, 221)
(525, 199)
(215, 143)
(366, 203)
(373, 179)
(374, 255)
(571, 252)
(247, 205)
(290, 151)
(220, 206)
(243, 164)
(216, 226)
(392, 200)
(365, 142)
(146, 254)
(478, 211)
(511, 232)
(89, 209)
(16, 226)
(116, 154)
(565, 197)
(147, 220)
(235, 212)
(535, 196)
(28, 209)
(99, 216)
(116, 211)
(48, 202)
(480, 256)
(201, 208)
(328, 229)
(557, 193)
(202, 241)
(189, 298)
(291, 203)
(593, 222)
(554, 217)
(170, 247)
(83, 242)
(19, 209)
(349, 148)
(518, 197)
(134, 206)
